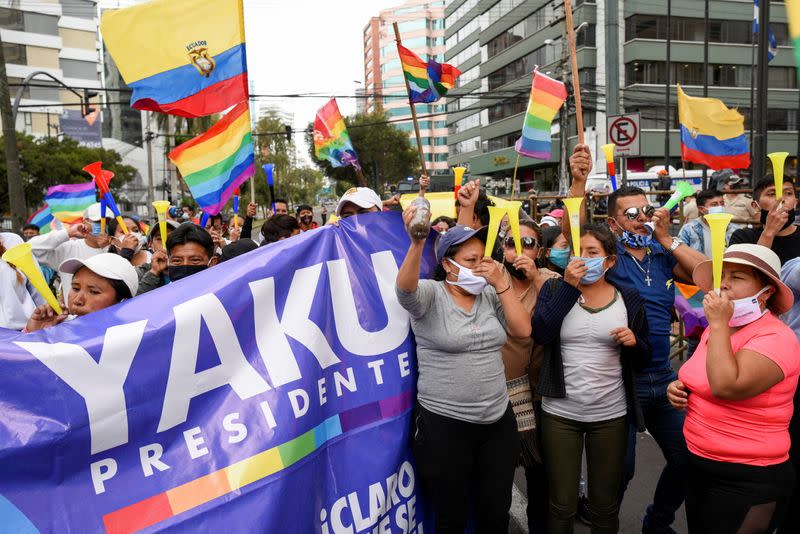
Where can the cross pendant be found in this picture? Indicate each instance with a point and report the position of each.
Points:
(648, 279)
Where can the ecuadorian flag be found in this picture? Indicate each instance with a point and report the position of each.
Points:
(215, 163)
(711, 133)
(183, 57)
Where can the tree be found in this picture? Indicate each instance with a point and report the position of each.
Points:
(384, 151)
(301, 185)
(49, 161)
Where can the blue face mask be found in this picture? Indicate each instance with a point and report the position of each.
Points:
(595, 272)
(559, 257)
(96, 228)
(629, 239)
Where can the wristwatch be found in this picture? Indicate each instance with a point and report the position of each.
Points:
(675, 244)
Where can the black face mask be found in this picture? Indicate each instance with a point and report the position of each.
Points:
(306, 220)
(176, 272)
(792, 215)
(513, 271)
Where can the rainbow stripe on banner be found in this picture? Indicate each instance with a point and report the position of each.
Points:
(547, 97)
(711, 133)
(427, 82)
(67, 202)
(230, 479)
(43, 218)
(215, 163)
(183, 57)
(331, 140)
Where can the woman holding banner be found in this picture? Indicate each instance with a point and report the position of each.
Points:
(737, 390)
(97, 283)
(465, 436)
(595, 334)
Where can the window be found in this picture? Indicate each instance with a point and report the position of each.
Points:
(460, 11)
(38, 23)
(532, 24)
(469, 75)
(654, 72)
(83, 9)
(507, 108)
(411, 25)
(78, 69)
(15, 54)
(44, 93)
(468, 145)
(465, 54)
(465, 124)
(504, 141)
(544, 55)
(11, 19)
(436, 24)
(390, 65)
(693, 29)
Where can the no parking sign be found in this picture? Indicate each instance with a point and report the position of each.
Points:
(623, 131)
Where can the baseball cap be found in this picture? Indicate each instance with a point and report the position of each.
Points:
(455, 236)
(363, 197)
(758, 257)
(107, 265)
(93, 212)
(558, 212)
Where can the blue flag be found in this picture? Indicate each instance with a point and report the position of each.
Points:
(272, 393)
(772, 51)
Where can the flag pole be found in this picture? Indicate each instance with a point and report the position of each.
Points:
(514, 181)
(576, 84)
(413, 111)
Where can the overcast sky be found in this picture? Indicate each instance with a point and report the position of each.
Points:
(308, 46)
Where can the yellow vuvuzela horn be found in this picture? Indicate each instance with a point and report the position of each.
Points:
(161, 207)
(495, 218)
(718, 224)
(573, 205)
(21, 257)
(512, 208)
(778, 159)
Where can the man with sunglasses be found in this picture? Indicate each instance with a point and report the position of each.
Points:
(649, 259)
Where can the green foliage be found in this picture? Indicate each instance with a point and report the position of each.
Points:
(49, 161)
(384, 151)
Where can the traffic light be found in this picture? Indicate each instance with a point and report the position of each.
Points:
(86, 107)
(288, 130)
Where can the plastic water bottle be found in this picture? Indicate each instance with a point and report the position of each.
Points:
(420, 224)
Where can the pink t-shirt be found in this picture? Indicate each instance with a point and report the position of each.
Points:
(753, 431)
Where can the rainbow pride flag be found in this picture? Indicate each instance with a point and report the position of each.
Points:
(42, 218)
(427, 82)
(67, 202)
(331, 140)
(218, 161)
(183, 57)
(793, 14)
(547, 97)
(711, 133)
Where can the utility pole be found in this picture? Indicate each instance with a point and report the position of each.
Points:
(16, 195)
(760, 138)
(148, 138)
(612, 52)
(563, 123)
(173, 176)
(666, 87)
(705, 74)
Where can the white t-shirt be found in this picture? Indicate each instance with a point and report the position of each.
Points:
(18, 298)
(592, 365)
(55, 247)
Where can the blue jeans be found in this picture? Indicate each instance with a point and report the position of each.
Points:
(665, 424)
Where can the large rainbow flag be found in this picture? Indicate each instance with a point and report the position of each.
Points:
(183, 57)
(68, 201)
(793, 14)
(331, 140)
(427, 82)
(218, 161)
(547, 97)
(711, 133)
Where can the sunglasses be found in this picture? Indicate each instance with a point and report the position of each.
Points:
(527, 242)
(633, 213)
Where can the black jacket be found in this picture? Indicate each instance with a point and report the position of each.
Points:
(555, 301)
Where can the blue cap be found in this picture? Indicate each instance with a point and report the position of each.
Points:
(455, 236)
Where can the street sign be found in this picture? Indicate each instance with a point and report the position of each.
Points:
(623, 131)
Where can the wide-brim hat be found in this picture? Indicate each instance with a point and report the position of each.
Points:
(758, 257)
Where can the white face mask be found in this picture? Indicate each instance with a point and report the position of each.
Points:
(747, 310)
(467, 281)
(716, 209)
(142, 241)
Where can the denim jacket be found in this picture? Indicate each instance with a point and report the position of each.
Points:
(692, 235)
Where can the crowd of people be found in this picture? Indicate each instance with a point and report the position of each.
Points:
(528, 358)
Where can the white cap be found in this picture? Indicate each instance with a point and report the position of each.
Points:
(92, 212)
(363, 197)
(107, 265)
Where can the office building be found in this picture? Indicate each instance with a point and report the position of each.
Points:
(497, 44)
(421, 25)
(59, 38)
